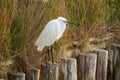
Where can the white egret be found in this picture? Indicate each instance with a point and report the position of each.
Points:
(51, 33)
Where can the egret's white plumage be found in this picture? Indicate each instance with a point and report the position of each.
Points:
(52, 32)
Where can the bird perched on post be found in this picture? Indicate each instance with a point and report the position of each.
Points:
(51, 33)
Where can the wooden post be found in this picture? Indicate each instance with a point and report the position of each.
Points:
(49, 71)
(68, 69)
(16, 76)
(32, 74)
(116, 62)
(110, 55)
(102, 60)
(110, 65)
(86, 65)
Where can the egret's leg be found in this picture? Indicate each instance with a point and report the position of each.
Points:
(49, 53)
(52, 55)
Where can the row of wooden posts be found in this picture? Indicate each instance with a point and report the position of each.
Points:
(92, 66)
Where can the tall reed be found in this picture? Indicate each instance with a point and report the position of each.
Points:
(92, 16)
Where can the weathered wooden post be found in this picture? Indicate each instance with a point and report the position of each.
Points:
(110, 65)
(116, 62)
(68, 69)
(86, 66)
(102, 60)
(32, 74)
(49, 71)
(16, 76)
(110, 55)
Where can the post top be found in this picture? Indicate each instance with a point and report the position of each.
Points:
(100, 50)
(16, 73)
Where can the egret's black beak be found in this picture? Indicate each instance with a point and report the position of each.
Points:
(68, 22)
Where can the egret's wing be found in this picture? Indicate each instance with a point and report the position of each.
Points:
(48, 35)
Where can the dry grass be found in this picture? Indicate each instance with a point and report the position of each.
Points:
(92, 17)
(21, 23)
(114, 23)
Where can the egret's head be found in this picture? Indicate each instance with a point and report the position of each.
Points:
(62, 19)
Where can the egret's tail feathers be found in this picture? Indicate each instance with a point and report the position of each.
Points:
(37, 42)
(40, 48)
